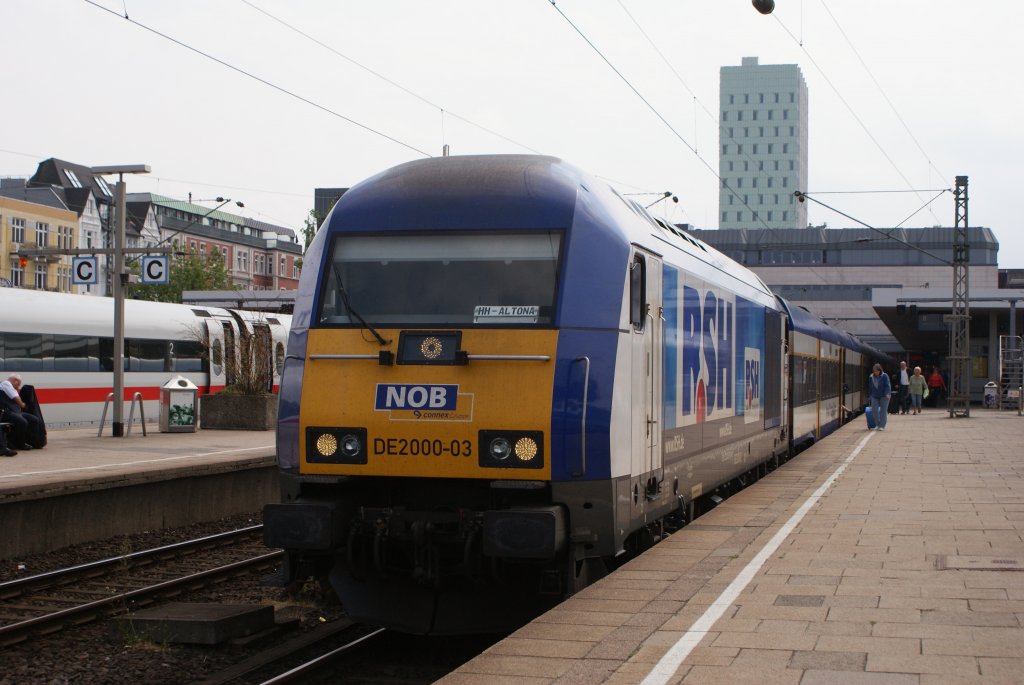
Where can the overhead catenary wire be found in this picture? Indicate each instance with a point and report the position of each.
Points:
(848, 106)
(384, 78)
(881, 90)
(805, 196)
(651, 107)
(262, 80)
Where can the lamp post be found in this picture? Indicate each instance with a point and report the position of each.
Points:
(118, 281)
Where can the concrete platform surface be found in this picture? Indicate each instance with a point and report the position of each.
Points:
(874, 558)
(75, 459)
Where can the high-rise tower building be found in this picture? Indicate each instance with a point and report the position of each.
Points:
(763, 146)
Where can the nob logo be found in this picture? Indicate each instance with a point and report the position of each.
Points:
(406, 396)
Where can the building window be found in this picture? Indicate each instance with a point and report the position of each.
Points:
(792, 97)
(755, 148)
(42, 233)
(731, 198)
(40, 276)
(785, 114)
(785, 181)
(17, 230)
(725, 216)
(770, 183)
(202, 250)
(753, 115)
(746, 98)
(776, 98)
(739, 216)
(725, 116)
(730, 166)
(103, 186)
(792, 130)
(739, 182)
(72, 178)
(753, 182)
(283, 269)
(771, 114)
(739, 149)
(739, 115)
(731, 99)
(770, 217)
(295, 270)
(725, 149)
(65, 236)
(792, 165)
(17, 273)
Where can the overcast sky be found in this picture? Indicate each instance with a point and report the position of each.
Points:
(904, 95)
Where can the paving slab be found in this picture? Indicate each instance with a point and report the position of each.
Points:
(904, 571)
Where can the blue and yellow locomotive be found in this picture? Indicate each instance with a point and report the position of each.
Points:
(502, 375)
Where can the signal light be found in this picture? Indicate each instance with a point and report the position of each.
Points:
(23, 262)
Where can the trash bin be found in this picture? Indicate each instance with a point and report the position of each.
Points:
(991, 391)
(178, 406)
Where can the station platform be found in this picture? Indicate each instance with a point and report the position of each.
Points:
(873, 558)
(81, 487)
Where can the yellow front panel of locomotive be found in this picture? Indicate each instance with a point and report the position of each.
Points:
(492, 395)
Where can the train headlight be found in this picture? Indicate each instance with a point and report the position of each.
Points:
(498, 447)
(326, 445)
(351, 445)
(335, 445)
(526, 448)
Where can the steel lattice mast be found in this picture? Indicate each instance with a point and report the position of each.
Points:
(959, 333)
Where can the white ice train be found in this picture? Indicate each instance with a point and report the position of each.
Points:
(63, 345)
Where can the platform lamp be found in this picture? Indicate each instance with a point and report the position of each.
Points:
(118, 282)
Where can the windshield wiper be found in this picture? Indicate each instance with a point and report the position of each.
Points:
(353, 313)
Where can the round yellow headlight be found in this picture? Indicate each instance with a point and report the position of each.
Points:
(526, 449)
(431, 348)
(326, 445)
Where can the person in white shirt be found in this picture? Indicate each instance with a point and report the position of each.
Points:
(904, 396)
(12, 405)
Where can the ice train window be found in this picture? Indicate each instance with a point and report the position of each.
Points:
(442, 279)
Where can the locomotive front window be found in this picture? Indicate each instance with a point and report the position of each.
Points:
(458, 280)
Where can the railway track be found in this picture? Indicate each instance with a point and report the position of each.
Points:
(49, 602)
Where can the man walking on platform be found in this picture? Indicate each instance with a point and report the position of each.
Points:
(903, 399)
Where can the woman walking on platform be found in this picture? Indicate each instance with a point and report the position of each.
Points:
(918, 385)
(880, 392)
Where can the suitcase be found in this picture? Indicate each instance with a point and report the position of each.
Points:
(871, 418)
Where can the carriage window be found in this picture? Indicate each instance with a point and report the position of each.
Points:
(187, 355)
(492, 279)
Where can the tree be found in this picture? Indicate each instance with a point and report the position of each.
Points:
(189, 271)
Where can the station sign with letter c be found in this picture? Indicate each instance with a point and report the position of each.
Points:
(155, 270)
(83, 271)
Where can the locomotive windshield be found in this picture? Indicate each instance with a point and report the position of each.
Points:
(465, 279)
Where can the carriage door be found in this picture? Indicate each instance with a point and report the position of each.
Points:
(645, 314)
(215, 354)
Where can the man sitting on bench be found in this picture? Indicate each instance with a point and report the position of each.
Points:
(23, 424)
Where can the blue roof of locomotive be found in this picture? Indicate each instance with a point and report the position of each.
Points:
(520, 192)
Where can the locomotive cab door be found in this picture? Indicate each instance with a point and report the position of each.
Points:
(646, 323)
